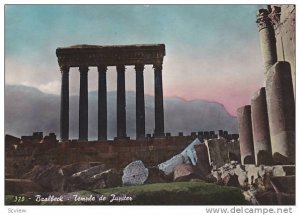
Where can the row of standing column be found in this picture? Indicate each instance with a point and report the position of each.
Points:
(267, 127)
(102, 103)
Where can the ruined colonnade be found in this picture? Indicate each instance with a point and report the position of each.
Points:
(272, 115)
(83, 56)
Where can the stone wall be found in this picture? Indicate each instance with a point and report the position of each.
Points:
(115, 154)
(285, 33)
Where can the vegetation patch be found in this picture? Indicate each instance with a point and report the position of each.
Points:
(175, 193)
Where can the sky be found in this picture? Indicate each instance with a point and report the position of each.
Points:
(212, 51)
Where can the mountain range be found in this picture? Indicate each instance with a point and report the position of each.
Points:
(28, 109)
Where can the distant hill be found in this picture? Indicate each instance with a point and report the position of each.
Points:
(27, 109)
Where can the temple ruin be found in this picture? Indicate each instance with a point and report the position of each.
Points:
(84, 56)
(273, 106)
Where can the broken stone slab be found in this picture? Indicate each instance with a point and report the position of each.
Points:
(186, 172)
(104, 179)
(70, 169)
(108, 178)
(242, 175)
(190, 151)
(231, 180)
(34, 172)
(168, 166)
(250, 197)
(155, 176)
(273, 198)
(84, 178)
(284, 184)
(50, 177)
(135, 173)
(21, 186)
(283, 170)
(217, 175)
(187, 156)
(202, 159)
(252, 173)
(87, 173)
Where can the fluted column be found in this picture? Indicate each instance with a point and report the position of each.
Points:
(121, 103)
(281, 112)
(140, 102)
(102, 103)
(267, 39)
(83, 104)
(159, 102)
(246, 138)
(64, 104)
(260, 127)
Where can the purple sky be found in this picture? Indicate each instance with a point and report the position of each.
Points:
(212, 52)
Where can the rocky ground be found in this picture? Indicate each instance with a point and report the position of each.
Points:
(185, 179)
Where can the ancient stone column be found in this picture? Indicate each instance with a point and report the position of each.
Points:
(267, 39)
(64, 104)
(245, 130)
(121, 103)
(159, 102)
(260, 127)
(281, 112)
(83, 103)
(102, 103)
(140, 102)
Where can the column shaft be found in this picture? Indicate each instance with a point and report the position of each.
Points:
(267, 39)
(159, 102)
(246, 138)
(121, 103)
(140, 102)
(102, 103)
(260, 127)
(64, 104)
(83, 104)
(281, 112)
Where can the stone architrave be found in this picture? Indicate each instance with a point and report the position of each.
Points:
(281, 112)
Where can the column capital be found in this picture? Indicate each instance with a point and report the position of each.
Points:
(263, 19)
(83, 69)
(121, 68)
(64, 69)
(275, 15)
(102, 68)
(139, 67)
(157, 66)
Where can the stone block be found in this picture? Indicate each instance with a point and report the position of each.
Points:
(185, 172)
(21, 186)
(135, 173)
